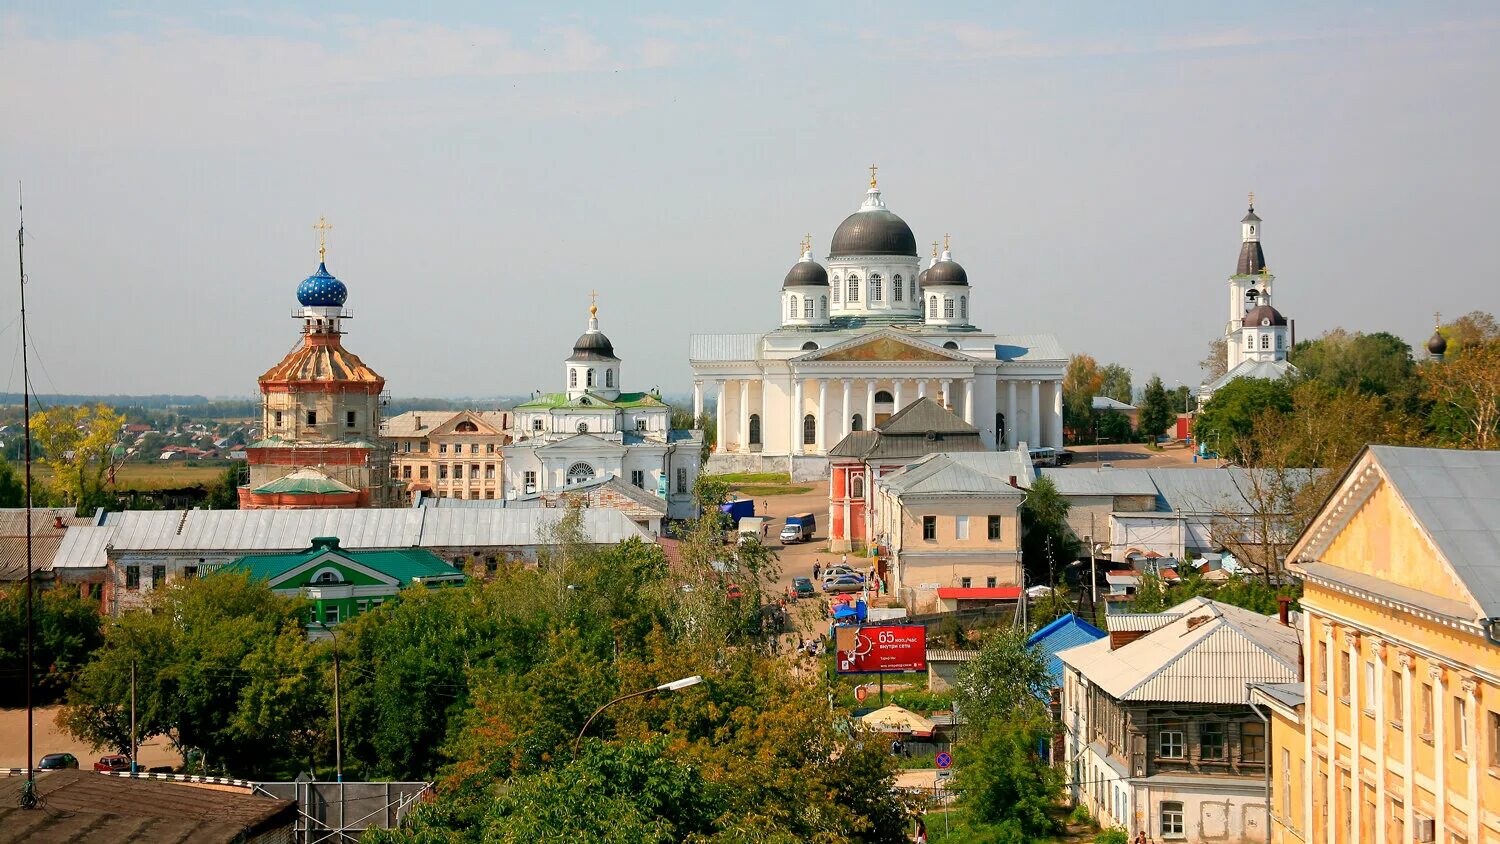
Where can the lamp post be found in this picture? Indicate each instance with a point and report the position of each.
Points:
(674, 686)
(338, 727)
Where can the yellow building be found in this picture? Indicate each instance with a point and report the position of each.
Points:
(448, 453)
(1394, 733)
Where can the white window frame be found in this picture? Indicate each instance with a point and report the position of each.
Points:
(961, 528)
(1175, 739)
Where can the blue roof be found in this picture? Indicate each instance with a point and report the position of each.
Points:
(1070, 631)
(322, 290)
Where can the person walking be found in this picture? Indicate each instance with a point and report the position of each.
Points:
(921, 831)
(816, 569)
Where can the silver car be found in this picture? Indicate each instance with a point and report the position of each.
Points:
(843, 583)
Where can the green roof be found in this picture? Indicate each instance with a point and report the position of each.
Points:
(406, 565)
(303, 482)
(551, 401)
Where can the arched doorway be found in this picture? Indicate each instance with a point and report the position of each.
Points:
(885, 405)
(1000, 431)
(755, 429)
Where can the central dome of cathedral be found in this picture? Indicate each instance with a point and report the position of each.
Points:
(873, 232)
(322, 290)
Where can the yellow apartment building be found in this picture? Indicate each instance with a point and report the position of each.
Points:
(449, 454)
(1393, 735)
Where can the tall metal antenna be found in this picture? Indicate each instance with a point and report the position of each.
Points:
(28, 792)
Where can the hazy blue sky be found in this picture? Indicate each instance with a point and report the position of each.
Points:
(484, 168)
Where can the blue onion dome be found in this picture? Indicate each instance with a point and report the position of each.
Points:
(322, 290)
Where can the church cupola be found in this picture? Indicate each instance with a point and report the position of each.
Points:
(945, 291)
(873, 263)
(593, 367)
(321, 295)
(1252, 257)
(804, 291)
(1437, 344)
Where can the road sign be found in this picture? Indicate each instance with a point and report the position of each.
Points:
(944, 760)
(860, 693)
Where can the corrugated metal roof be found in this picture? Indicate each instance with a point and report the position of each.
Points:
(1029, 347)
(1069, 631)
(723, 347)
(1100, 481)
(1107, 403)
(405, 424)
(973, 473)
(949, 655)
(1265, 370)
(1208, 655)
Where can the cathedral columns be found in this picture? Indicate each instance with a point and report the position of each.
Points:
(921, 388)
(697, 401)
(870, 405)
(1036, 415)
(719, 416)
(946, 393)
(969, 400)
(744, 431)
(845, 408)
(1010, 415)
(1057, 414)
(797, 412)
(900, 394)
(822, 429)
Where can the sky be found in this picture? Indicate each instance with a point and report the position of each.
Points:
(485, 166)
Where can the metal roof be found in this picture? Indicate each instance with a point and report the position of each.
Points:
(1107, 403)
(1100, 481)
(922, 427)
(83, 547)
(1029, 348)
(1266, 370)
(966, 473)
(405, 424)
(1208, 655)
(949, 655)
(1291, 695)
(724, 347)
(1069, 631)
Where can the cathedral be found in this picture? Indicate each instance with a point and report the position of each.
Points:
(594, 430)
(320, 411)
(862, 337)
(1257, 338)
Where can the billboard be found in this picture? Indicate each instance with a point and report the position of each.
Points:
(880, 648)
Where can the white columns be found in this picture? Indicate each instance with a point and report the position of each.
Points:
(900, 394)
(845, 425)
(1356, 716)
(697, 401)
(822, 429)
(947, 394)
(1408, 734)
(1470, 687)
(1057, 415)
(1439, 747)
(1010, 416)
(1036, 415)
(969, 400)
(744, 431)
(986, 403)
(719, 417)
(869, 411)
(921, 388)
(797, 412)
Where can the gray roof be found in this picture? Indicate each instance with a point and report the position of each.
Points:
(1252, 257)
(1291, 695)
(1100, 481)
(1181, 490)
(1029, 348)
(967, 473)
(638, 496)
(922, 427)
(949, 655)
(872, 231)
(1266, 370)
(723, 347)
(1455, 497)
(405, 424)
(1107, 403)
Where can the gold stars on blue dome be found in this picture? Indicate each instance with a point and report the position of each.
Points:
(322, 290)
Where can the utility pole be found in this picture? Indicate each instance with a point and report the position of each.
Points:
(133, 747)
(28, 791)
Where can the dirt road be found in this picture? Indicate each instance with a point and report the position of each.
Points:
(49, 738)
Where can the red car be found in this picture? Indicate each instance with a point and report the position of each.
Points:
(113, 762)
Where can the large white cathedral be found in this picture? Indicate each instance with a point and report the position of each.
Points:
(861, 338)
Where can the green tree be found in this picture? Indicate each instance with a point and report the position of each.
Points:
(1378, 364)
(12, 485)
(225, 495)
(1465, 390)
(1004, 786)
(1047, 543)
(1005, 680)
(66, 633)
(77, 444)
(1158, 410)
(1081, 382)
(1115, 383)
(1230, 414)
(1471, 328)
(1112, 426)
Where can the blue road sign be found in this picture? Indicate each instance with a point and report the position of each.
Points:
(944, 759)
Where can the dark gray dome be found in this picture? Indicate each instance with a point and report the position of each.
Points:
(1437, 344)
(1263, 315)
(945, 272)
(877, 232)
(593, 345)
(806, 274)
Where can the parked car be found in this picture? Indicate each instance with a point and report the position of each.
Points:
(838, 568)
(57, 761)
(1065, 458)
(843, 583)
(113, 762)
(803, 587)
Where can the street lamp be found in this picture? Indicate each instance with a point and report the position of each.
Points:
(338, 727)
(674, 686)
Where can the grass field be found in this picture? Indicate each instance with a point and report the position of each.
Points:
(763, 478)
(758, 490)
(148, 476)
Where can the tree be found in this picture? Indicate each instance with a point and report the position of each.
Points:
(1469, 329)
(1231, 412)
(225, 495)
(1378, 364)
(1047, 543)
(12, 486)
(1005, 680)
(1115, 383)
(1005, 786)
(1216, 363)
(1465, 387)
(1113, 426)
(67, 631)
(77, 444)
(1157, 410)
(1081, 383)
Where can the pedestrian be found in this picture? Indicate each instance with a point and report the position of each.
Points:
(764, 528)
(1140, 837)
(815, 569)
(844, 560)
(895, 747)
(921, 831)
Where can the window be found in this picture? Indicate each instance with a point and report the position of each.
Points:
(1169, 743)
(331, 614)
(929, 527)
(326, 576)
(442, 448)
(965, 582)
(1344, 675)
(884, 397)
(572, 378)
(857, 487)
(1265, 341)
(947, 307)
(1494, 739)
(364, 605)
(755, 429)
(278, 419)
(1460, 725)
(994, 527)
(536, 424)
(589, 378)
(132, 577)
(489, 448)
(807, 308)
(896, 288)
(875, 288)
(1253, 741)
(609, 377)
(913, 288)
(583, 427)
(857, 423)
(989, 582)
(406, 447)
(422, 473)
(474, 472)
(1397, 697)
(822, 306)
(579, 472)
(681, 481)
(1211, 741)
(466, 427)
(791, 307)
(1427, 711)
(836, 285)
(349, 419)
(638, 478)
(458, 471)
(1171, 819)
(312, 417)
(932, 307)
(158, 576)
(961, 528)
(809, 430)
(442, 471)
(189, 572)
(1249, 340)
(853, 289)
(640, 425)
(963, 307)
(406, 472)
(528, 479)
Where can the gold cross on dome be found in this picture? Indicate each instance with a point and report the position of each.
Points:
(1437, 318)
(807, 242)
(593, 302)
(323, 227)
(945, 241)
(873, 168)
(1252, 199)
(934, 249)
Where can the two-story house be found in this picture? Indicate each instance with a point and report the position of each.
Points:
(448, 453)
(1159, 732)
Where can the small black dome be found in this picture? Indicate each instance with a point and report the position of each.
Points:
(806, 274)
(876, 232)
(945, 272)
(593, 345)
(1263, 315)
(1437, 344)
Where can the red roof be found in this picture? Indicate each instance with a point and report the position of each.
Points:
(998, 593)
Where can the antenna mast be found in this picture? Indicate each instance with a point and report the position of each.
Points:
(28, 792)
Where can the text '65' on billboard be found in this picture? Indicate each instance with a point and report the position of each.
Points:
(880, 648)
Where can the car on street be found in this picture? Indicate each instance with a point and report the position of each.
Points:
(802, 587)
(57, 761)
(113, 762)
(844, 583)
(838, 568)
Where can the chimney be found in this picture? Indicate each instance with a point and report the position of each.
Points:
(1013, 482)
(1283, 609)
(57, 522)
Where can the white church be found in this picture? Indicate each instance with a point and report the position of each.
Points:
(594, 430)
(1257, 337)
(861, 338)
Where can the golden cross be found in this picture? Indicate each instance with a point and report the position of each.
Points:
(945, 241)
(1252, 200)
(323, 227)
(593, 301)
(873, 168)
(934, 249)
(1437, 318)
(1264, 271)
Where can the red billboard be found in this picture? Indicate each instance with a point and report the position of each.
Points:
(880, 648)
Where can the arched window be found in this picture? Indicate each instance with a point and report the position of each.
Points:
(883, 397)
(951, 346)
(896, 287)
(755, 429)
(791, 307)
(580, 472)
(857, 486)
(609, 377)
(875, 288)
(932, 307)
(466, 427)
(807, 308)
(836, 285)
(589, 382)
(823, 307)
(327, 576)
(1249, 340)
(963, 307)
(857, 423)
(809, 346)
(809, 430)
(583, 427)
(914, 288)
(853, 289)
(948, 307)
(572, 378)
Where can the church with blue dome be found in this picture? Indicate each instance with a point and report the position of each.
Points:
(322, 290)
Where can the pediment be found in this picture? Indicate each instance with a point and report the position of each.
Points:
(451, 425)
(883, 346)
(582, 442)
